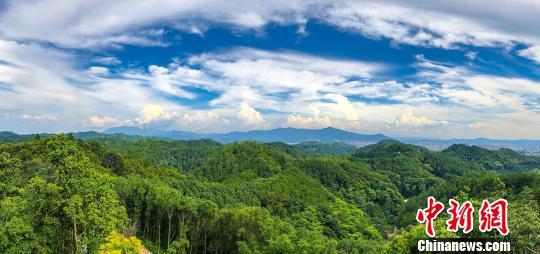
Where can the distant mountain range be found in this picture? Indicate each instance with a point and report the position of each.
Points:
(297, 135)
(528, 146)
(330, 135)
(287, 135)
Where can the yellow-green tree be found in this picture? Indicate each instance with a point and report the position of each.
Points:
(119, 244)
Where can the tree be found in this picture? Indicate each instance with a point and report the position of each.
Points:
(119, 244)
(65, 198)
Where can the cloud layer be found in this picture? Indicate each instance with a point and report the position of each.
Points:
(444, 24)
(44, 77)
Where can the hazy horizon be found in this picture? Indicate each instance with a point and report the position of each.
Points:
(411, 138)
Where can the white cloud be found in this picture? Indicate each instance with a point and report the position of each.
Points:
(231, 94)
(249, 115)
(408, 119)
(263, 78)
(445, 24)
(98, 70)
(39, 117)
(292, 89)
(204, 121)
(171, 80)
(277, 81)
(162, 81)
(97, 23)
(150, 113)
(392, 90)
(532, 53)
(478, 125)
(105, 121)
(492, 93)
(107, 60)
(434, 24)
(42, 79)
(308, 121)
(35, 75)
(343, 105)
(232, 62)
(471, 55)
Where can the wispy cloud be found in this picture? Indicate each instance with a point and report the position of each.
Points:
(105, 121)
(265, 89)
(446, 24)
(462, 86)
(39, 117)
(97, 23)
(107, 60)
(532, 53)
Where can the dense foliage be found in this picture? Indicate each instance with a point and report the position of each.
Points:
(502, 159)
(121, 194)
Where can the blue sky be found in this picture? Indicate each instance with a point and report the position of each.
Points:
(446, 69)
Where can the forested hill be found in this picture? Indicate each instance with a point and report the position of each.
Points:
(502, 159)
(61, 194)
(8, 136)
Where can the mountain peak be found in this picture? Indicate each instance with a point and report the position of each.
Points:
(330, 128)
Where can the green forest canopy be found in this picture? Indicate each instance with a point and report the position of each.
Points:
(59, 194)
